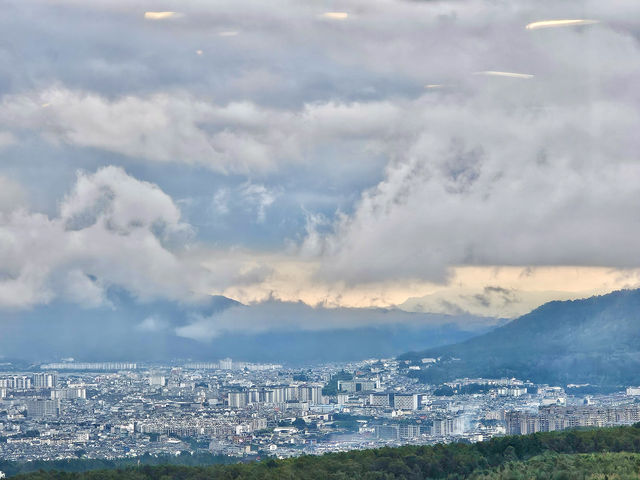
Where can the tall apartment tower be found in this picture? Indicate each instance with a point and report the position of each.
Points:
(45, 380)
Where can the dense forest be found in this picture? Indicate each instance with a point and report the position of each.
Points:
(513, 457)
(589, 466)
(84, 464)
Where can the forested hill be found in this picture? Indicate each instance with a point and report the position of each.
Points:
(595, 340)
(485, 460)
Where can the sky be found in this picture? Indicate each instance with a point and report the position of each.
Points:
(450, 157)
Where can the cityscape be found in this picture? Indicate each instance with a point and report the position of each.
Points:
(320, 240)
(71, 410)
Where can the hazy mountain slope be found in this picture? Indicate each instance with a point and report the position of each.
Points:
(594, 340)
(129, 330)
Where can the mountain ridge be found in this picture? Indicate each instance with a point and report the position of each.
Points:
(591, 340)
(126, 329)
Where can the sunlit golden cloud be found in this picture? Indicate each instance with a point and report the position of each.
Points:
(492, 291)
(159, 15)
(335, 15)
(559, 23)
(494, 73)
(510, 291)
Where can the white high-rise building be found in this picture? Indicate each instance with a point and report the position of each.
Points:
(237, 399)
(45, 380)
(406, 402)
(72, 393)
(157, 380)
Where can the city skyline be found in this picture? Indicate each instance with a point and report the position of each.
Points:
(319, 239)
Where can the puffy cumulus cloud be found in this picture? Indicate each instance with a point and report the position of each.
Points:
(507, 175)
(112, 230)
(238, 137)
(158, 128)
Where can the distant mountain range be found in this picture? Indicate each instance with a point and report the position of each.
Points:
(128, 329)
(595, 340)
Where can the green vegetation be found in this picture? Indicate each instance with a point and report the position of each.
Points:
(610, 453)
(345, 421)
(593, 466)
(594, 341)
(332, 387)
(82, 465)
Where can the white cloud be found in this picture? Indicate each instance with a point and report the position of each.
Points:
(238, 137)
(152, 324)
(484, 170)
(489, 180)
(112, 230)
(295, 316)
(261, 197)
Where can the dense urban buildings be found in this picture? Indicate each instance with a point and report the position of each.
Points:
(110, 410)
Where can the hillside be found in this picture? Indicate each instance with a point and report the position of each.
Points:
(592, 466)
(536, 455)
(594, 340)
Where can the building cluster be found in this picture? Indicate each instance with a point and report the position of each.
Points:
(549, 419)
(93, 367)
(229, 364)
(100, 410)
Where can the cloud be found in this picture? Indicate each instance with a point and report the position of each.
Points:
(234, 138)
(296, 119)
(112, 230)
(280, 316)
(491, 179)
(12, 195)
(152, 324)
(509, 292)
(159, 128)
(261, 197)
